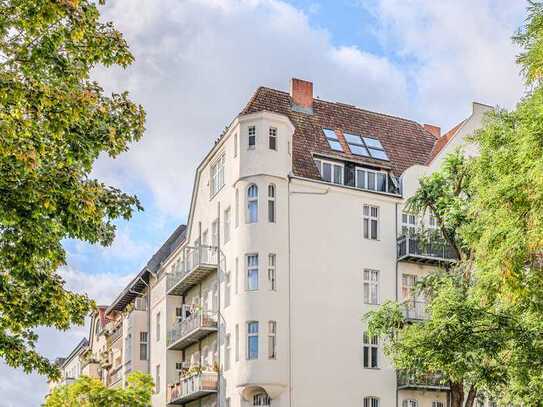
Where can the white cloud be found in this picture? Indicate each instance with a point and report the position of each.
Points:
(19, 389)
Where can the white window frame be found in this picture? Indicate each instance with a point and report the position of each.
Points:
(272, 133)
(272, 274)
(249, 269)
(215, 233)
(409, 224)
(227, 351)
(410, 403)
(251, 199)
(371, 286)
(371, 401)
(367, 219)
(236, 277)
(144, 344)
(236, 344)
(237, 208)
(227, 224)
(334, 164)
(272, 340)
(261, 399)
(438, 403)
(272, 207)
(366, 179)
(370, 344)
(157, 326)
(227, 289)
(235, 145)
(249, 355)
(216, 178)
(251, 134)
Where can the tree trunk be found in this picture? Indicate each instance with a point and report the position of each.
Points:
(471, 397)
(457, 394)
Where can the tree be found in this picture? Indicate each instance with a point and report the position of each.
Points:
(89, 392)
(54, 123)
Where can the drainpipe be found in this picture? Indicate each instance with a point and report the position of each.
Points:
(396, 293)
(289, 295)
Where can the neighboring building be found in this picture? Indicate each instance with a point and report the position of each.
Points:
(70, 367)
(296, 229)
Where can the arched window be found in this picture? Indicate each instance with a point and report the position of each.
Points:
(271, 203)
(252, 204)
(261, 399)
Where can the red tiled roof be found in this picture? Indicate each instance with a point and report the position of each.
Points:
(442, 141)
(406, 142)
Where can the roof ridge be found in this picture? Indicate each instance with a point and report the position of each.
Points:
(335, 103)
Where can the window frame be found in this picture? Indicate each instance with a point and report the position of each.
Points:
(272, 136)
(252, 339)
(144, 344)
(157, 326)
(249, 269)
(367, 219)
(332, 138)
(251, 135)
(409, 224)
(370, 347)
(369, 284)
(216, 176)
(272, 208)
(272, 274)
(371, 401)
(272, 340)
(410, 403)
(319, 162)
(227, 289)
(227, 352)
(227, 224)
(251, 200)
(375, 173)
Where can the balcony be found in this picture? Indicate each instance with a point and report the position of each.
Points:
(418, 249)
(192, 388)
(410, 381)
(414, 310)
(191, 329)
(196, 263)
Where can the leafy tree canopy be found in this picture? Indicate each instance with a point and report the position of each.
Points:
(54, 123)
(88, 392)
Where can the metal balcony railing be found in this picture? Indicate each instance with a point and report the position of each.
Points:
(410, 381)
(415, 310)
(190, 330)
(194, 265)
(193, 387)
(420, 249)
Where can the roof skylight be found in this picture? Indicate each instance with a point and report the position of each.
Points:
(332, 140)
(366, 146)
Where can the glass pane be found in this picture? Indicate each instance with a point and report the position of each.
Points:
(327, 172)
(334, 145)
(361, 179)
(373, 229)
(338, 174)
(374, 211)
(366, 357)
(253, 212)
(379, 154)
(252, 192)
(352, 138)
(330, 134)
(371, 181)
(373, 142)
(381, 182)
(359, 150)
(373, 357)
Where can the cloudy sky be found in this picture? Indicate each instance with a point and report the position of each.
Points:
(198, 63)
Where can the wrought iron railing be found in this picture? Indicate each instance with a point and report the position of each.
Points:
(425, 247)
(189, 386)
(408, 379)
(199, 319)
(191, 258)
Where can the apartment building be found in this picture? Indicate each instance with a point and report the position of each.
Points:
(296, 229)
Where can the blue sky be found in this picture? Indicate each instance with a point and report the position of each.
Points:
(199, 61)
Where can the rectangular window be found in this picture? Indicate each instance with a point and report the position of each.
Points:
(371, 402)
(371, 287)
(157, 379)
(237, 208)
(271, 271)
(273, 139)
(236, 339)
(371, 222)
(330, 172)
(252, 340)
(409, 224)
(272, 342)
(332, 139)
(236, 276)
(128, 348)
(252, 137)
(179, 313)
(157, 326)
(217, 176)
(227, 225)
(227, 289)
(144, 339)
(371, 351)
(271, 203)
(215, 233)
(236, 145)
(372, 180)
(440, 404)
(410, 403)
(252, 272)
(408, 286)
(227, 351)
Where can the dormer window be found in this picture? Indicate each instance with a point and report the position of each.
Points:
(372, 180)
(330, 171)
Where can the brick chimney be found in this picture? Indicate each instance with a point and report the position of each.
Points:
(301, 93)
(436, 131)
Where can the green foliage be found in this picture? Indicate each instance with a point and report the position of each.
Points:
(530, 38)
(87, 392)
(54, 123)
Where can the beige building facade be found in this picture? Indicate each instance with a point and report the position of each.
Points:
(296, 229)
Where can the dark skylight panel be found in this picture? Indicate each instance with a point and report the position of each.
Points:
(366, 146)
(332, 140)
